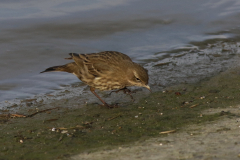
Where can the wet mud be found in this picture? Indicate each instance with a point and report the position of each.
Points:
(65, 128)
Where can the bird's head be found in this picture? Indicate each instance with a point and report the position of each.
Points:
(138, 76)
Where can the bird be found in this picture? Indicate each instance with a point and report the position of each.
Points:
(107, 70)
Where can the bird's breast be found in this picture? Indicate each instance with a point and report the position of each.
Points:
(103, 83)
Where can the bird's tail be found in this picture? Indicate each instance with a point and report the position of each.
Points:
(64, 68)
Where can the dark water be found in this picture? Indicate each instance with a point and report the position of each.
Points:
(177, 41)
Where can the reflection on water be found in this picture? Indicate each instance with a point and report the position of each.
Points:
(38, 34)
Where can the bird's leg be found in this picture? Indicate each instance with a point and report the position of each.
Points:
(104, 103)
(93, 91)
(126, 91)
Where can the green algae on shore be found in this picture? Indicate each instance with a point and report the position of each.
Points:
(60, 133)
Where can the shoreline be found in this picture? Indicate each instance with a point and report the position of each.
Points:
(90, 129)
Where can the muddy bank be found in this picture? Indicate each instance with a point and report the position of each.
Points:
(213, 140)
(64, 128)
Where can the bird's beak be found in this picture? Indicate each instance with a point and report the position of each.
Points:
(147, 86)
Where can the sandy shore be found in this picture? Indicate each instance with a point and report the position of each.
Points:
(215, 140)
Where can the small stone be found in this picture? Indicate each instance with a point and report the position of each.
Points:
(202, 97)
(64, 131)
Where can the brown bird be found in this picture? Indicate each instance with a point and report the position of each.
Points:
(107, 70)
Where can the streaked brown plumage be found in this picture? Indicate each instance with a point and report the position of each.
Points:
(107, 70)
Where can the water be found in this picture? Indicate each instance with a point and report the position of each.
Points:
(194, 39)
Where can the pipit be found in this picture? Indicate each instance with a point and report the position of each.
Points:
(109, 70)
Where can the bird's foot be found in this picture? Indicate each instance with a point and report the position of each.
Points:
(126, 91)
(110, 106)
(113, 106)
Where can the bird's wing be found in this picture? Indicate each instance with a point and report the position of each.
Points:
(99, 63)
(96, 65)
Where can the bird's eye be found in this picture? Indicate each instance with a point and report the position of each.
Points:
(137, 79)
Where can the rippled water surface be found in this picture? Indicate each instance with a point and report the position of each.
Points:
(177, 41)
